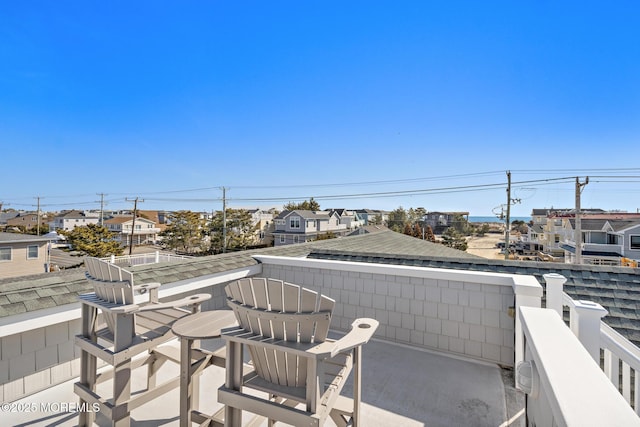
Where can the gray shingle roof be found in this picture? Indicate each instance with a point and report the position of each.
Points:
(30, 293)
(617, 289)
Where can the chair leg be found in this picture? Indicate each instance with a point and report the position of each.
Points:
(357, 390)
(121, 392)
(88, 363)
(88, 370)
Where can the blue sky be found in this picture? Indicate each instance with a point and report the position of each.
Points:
(277, 101)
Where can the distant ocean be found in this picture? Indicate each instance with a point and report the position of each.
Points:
(496, 219)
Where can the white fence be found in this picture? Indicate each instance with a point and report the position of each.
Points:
(141, 259)
(613, 352)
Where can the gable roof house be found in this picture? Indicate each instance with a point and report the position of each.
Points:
(23, 254)
(453, 327)
(604, 241)
(27, 220)
(145, 232)
(68, 220)
(299, 226)
(440, 221)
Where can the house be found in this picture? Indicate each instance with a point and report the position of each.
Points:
(452, 328)
(68, 220)
(368, 216)
(23, 254)
(299, 226)
(350, 218)
(145, 232)
(262, 221)
(552, 231)
(27, 220)
(604, 241)
(440, 221)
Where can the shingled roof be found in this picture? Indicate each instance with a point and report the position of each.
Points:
(31, 293)
(617, 289)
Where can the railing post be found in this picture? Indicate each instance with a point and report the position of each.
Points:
(528, 293)
(113, 259)
(157, 257)
(585, 324)
(555, 283)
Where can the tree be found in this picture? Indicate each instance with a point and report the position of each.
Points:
(376, 220)
(307, 205)
(454, 239)
(428, 234)
(241, 232)
(93, 240)
(184, 231)
(461, 225)
(397, 220)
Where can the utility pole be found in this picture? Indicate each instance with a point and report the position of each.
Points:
(101, 208)
(578, 230)
(133, 225)
(224, 219)
(507, 237)
(38, 217)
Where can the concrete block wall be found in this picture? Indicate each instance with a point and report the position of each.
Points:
(461, 317)
(33, 360)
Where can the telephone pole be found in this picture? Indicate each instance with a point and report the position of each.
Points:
(224, 219)
(101, 208)
(507, 234)
(578, 230)
(507, 238)
(133, 225)
(38, 217)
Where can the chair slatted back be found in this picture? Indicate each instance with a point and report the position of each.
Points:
(111, 284)
(283, 311)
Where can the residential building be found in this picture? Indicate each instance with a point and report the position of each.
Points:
(350, 218)
(604, 242)
(262, 220)
(553, 232)
(368, 216)
(301, 226)
(145, 232)
(23, 254)
(440, 221)
(27, 220)
(68, 220)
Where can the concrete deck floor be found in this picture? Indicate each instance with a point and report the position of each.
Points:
(402, 386)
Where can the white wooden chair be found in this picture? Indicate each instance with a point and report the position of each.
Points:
(129, 329)
(285, 327)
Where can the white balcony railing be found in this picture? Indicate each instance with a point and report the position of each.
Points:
(599, 339)
(142, 259)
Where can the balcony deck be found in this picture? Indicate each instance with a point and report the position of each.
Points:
(402, 386)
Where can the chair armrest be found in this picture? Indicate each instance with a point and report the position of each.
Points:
(183, 302)
(146, 287)
(92, 300)
(361, 332)
(151, 288)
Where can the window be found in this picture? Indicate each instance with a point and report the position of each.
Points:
(634, 242)
(32, 252)
(5, 254)
(282, 238)
(294, 222)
